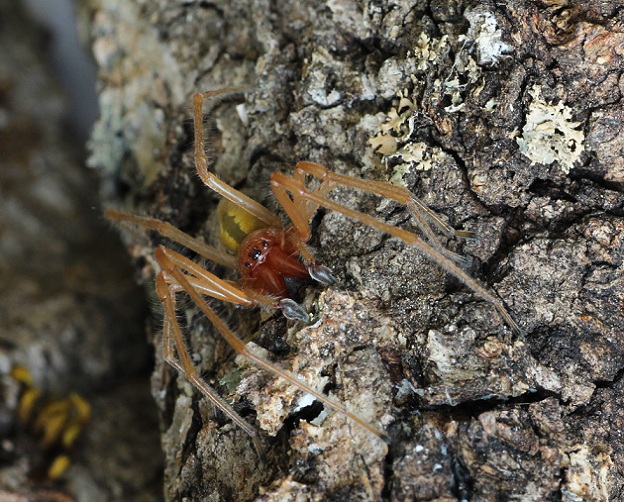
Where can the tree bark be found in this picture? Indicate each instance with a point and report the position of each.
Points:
(506, 119)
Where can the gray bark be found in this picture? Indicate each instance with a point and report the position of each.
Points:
(505, 118)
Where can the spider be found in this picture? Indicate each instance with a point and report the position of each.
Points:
(265, 253)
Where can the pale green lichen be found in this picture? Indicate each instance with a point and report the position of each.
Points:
(550, 135)
(394, 141)
(427, 49)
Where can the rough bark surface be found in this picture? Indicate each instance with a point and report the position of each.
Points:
(506, 118)
(69, 311)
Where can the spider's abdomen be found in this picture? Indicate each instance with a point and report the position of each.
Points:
(266, 258)
(235, 224)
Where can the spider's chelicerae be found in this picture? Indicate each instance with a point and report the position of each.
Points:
(265, 252)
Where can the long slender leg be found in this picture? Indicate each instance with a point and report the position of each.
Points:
(173, 341)
(299, 233)
(207, 283)
(281, 183)
(419, 211)
(300, 212)
(307, 208)
(175, 274)
(168, 230)
(210, 179)
(400, 194)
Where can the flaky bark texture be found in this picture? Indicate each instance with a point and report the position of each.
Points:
(506, 118)
(69, 311)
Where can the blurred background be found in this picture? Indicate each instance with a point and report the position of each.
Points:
(70, 61)
(70, 313)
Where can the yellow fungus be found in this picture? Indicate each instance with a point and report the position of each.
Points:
(58, 467)
(22, 375)
(27, 403)
(81, 408)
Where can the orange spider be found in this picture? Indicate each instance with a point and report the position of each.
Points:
(268, 252)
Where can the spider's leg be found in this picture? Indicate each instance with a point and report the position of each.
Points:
(421, 213)
(173, 341)
(176, 275)
(207, 283)
(397, 193)
(282, 183)
(210, 179)
(305, 206)
(169, 231)
(299, 233)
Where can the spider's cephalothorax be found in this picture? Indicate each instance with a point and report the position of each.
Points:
(268, 253)
(268, 259)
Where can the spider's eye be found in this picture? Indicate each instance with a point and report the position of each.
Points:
(255, 253)
(247, 264)
(265, 244)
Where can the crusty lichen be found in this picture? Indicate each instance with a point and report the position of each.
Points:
(549, 134)
(395, 142)
(481, 46)
(589, 475)
(486, 36)
(427, 50)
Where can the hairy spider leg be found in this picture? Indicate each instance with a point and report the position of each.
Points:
(211, 180)
(282, 183)
(402, 195)
(173, 341)
(174, 274)
(397, 193)
(169, 231)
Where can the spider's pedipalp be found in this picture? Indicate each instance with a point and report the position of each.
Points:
(292, 310)
(321, 274)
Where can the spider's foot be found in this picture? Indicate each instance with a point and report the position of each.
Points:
(466, 234)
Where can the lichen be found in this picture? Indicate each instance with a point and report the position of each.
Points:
(395, 142)
(486, 36)
(427, 49)
(549, 134)
(589, 475)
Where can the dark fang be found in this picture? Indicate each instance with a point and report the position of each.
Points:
(321, 274)
(292, 310)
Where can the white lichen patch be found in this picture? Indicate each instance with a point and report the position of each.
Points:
(590, 475)
(453, 361)
(135, 63)
(397, 127)
(486, 36)
(427, 49)
(550, 135)
(394, 141)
